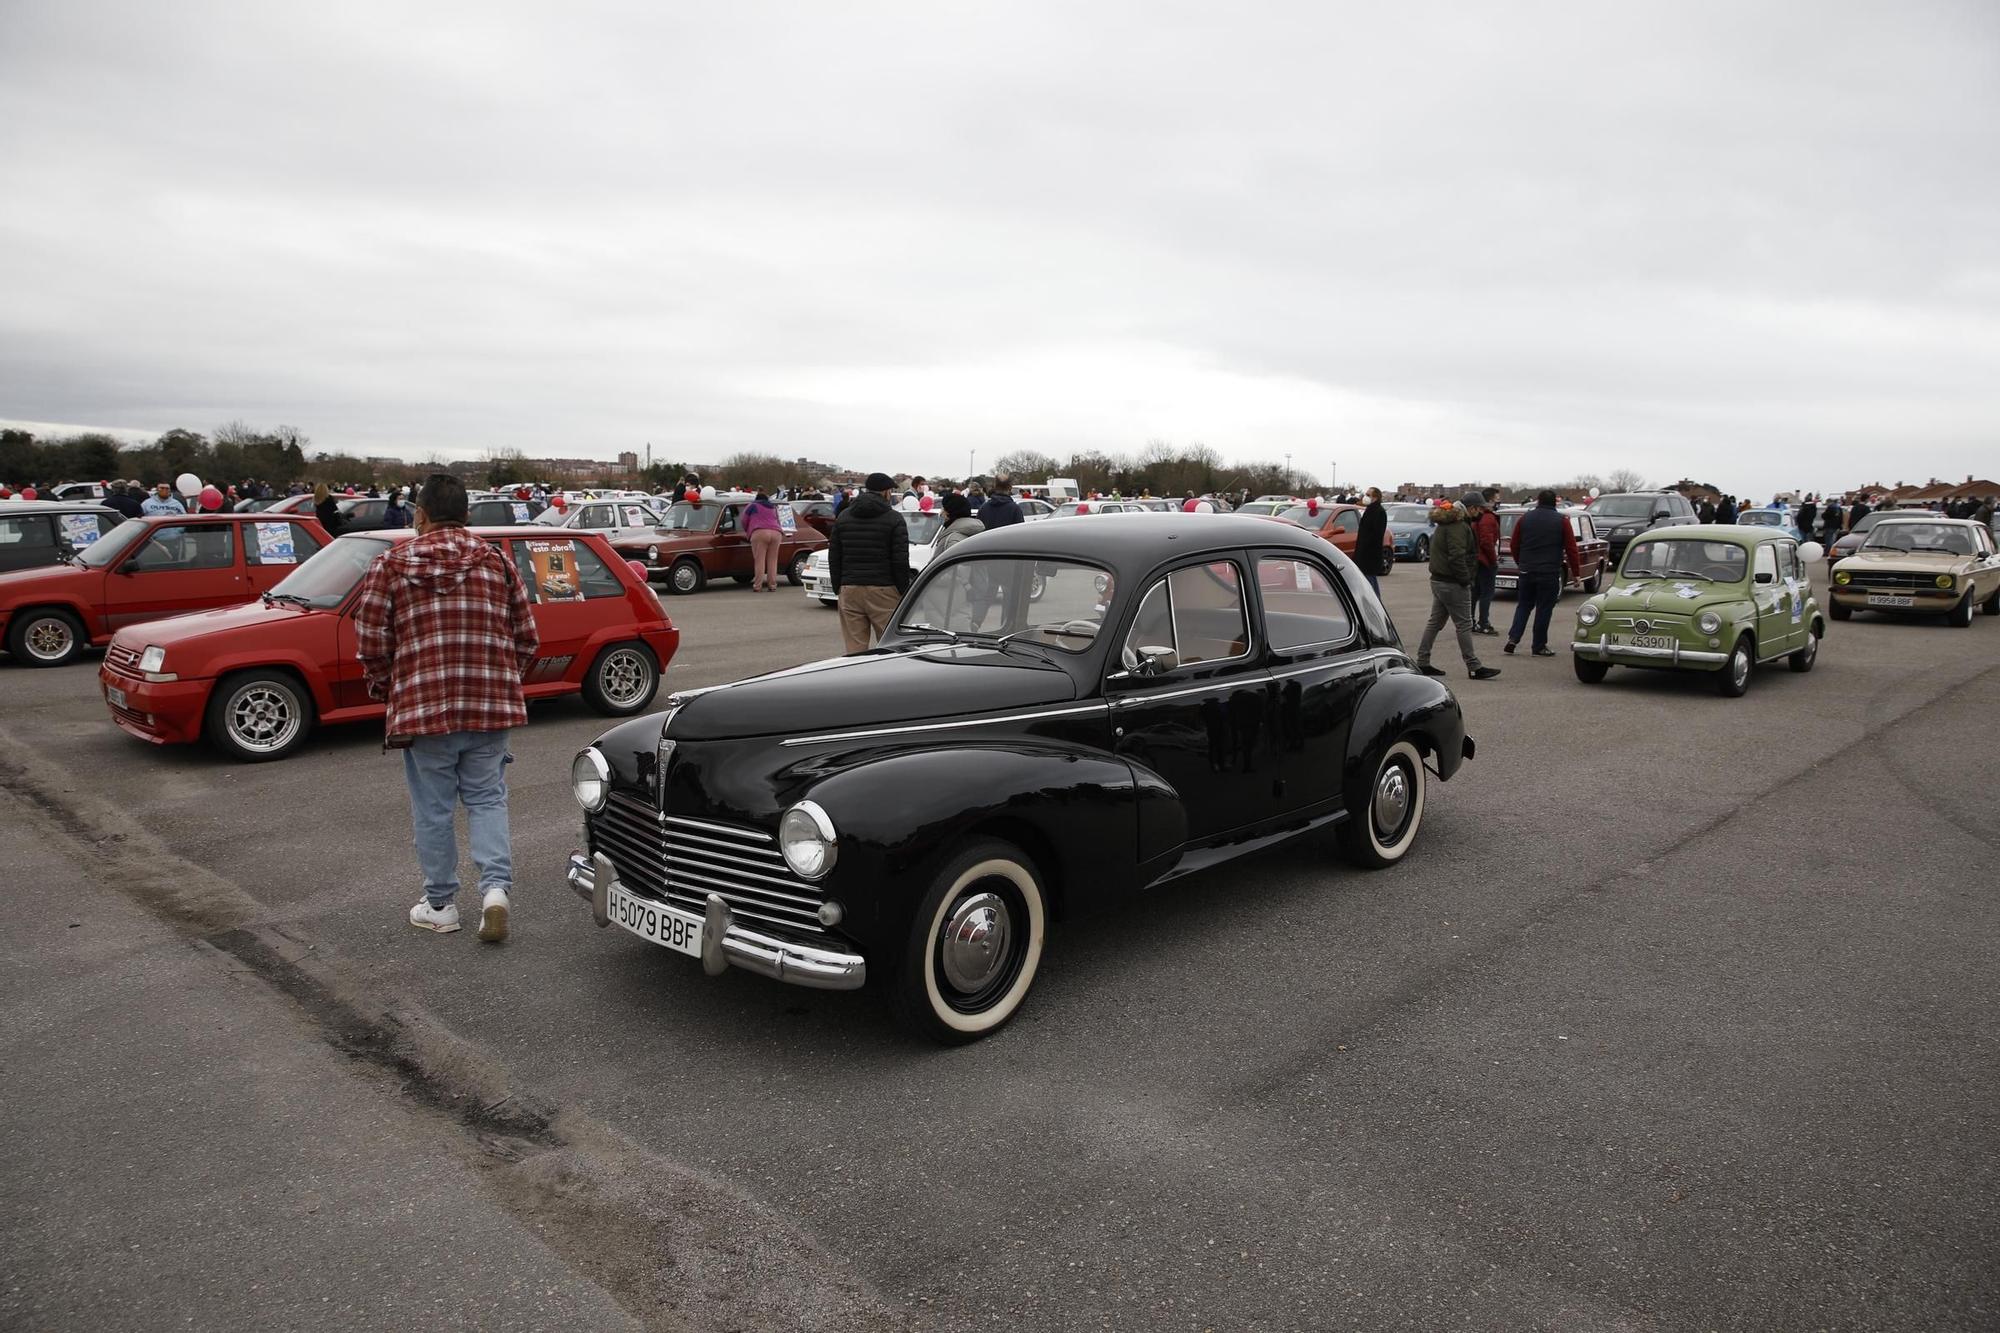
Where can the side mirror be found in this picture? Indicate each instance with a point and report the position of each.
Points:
(1155, 660)
(1763, 577)
(1659, 514)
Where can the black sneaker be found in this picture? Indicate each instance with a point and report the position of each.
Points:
(1507, 647)
(1486, 673)
(1545, 652)
(1428, 669)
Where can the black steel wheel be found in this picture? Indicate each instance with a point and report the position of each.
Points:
(686, 576)
(1734, 679)
(1802, 660)
(974, 945)
(1382, 820)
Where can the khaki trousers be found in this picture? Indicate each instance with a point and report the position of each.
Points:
(865, 610)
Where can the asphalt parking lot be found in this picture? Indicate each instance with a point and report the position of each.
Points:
(1683, 1015)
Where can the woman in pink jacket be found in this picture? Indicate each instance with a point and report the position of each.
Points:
(760, 520)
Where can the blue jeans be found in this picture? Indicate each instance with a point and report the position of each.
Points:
(442, 771)
(1537, 594)
(1482, 596)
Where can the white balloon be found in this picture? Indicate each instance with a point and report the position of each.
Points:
(1593, 492)
(1811, 552)
(188, 484)
(708, 492)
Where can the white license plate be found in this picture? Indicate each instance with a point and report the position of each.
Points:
(1504, 581)
(656, 923)
(115, 695)
(1885, 599)
(1640, 641)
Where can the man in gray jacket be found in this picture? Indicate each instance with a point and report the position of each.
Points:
(1454, 569)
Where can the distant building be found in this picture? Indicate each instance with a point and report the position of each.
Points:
(628, 462)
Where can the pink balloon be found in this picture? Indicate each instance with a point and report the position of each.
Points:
(211, 499)
(638, 568)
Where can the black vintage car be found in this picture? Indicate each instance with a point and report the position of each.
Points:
(1062, 716)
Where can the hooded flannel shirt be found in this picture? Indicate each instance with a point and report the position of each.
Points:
(444, 632)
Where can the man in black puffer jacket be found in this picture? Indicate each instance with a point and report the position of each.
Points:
(868, 559)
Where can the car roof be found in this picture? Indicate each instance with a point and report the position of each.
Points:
(1900, 516)
(1142, 540)
(1724, 532)
(55, 506)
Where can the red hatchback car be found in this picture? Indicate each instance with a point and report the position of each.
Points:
(256, 679)
(146, 568)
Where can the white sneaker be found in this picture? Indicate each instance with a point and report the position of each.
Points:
(443, 920)
(492, 917)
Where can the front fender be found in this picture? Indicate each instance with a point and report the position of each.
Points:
(1075, 811)
(1402, 702)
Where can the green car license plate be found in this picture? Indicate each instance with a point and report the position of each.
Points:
(1665, 641)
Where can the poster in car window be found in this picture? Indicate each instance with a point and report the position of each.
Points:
(521, 514)
(79, 530)
(635, 516)
(554, 566)
(275, 545)
(787, 520)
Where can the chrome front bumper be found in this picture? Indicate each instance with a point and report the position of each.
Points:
(1673, 656)
(724, 943)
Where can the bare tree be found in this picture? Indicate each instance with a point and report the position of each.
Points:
(1625, 479)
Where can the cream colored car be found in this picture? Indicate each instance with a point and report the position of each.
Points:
(1920, 565)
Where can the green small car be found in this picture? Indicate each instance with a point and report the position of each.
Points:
(1717, 598)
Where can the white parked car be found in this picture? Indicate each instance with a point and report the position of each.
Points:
(924, 530)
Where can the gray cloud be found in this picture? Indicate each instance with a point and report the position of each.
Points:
(1755, 243)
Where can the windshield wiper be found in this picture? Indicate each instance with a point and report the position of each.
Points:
(291, 597)
(933, 629)
(1940, 550)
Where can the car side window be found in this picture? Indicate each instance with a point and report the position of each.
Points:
(24, 534)
(1347, 521)
(1767, 564)
(728, 521)
(278, 543)
(211, 546)
(1197, 611)
(1300, 604)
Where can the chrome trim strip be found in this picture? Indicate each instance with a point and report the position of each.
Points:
(1675, 655)
(753, 835)
(729, 853)
(715, 879)
(1324, 662)
(942, 726)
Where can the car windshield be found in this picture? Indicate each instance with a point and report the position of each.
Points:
(1058, 603)
(110, 546)
(1924, 538)
(923, 527)
(1627, 506)
(1409, 513)
(326, 578)
(684, 517)
(1715, 562)
(1762, 518)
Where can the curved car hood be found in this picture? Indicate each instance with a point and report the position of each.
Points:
(18, 584)
(1667, 594)
(935, 683)
(1936, 562)
(207, 624)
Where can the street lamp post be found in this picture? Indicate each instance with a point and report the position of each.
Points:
(1288, 472)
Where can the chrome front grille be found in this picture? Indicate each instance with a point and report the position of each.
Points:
(684, 860)
(1900, 580)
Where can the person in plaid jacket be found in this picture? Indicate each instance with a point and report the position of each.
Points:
(445, 632)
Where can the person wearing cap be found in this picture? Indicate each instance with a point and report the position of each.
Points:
(1542, 544)
(1454, 569)
(868, 560)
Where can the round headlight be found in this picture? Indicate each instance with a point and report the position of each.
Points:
(1944, 580)
(1588, 613)
(805, 836)
(653, 554)
(590, 780)
(1708, 622)
(1841, 577)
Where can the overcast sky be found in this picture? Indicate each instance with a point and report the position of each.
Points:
(1754, 243)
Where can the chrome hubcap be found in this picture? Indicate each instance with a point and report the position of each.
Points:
(623, 676)
(262, 717)
(1392, 800)
(49, 638)
(684, 579)
(1741, 666)
(975, 942)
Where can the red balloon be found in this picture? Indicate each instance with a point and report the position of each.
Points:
(211, 499)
